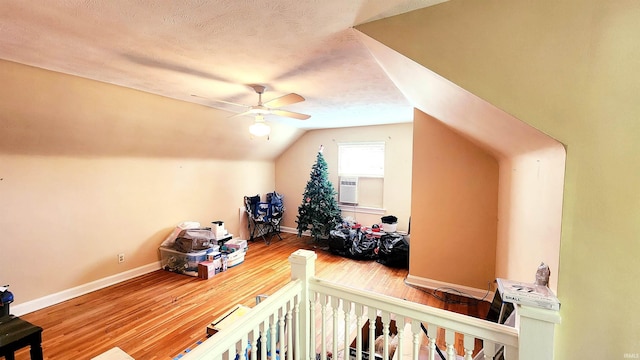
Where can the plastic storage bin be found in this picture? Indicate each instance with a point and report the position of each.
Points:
(183, 263)
(235, 258)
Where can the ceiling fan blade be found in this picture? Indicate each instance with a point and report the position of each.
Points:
(290, 114)
(241, 114)
(284, 100)
(220, 101)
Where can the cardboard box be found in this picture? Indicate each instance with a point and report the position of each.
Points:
(216, 258)
(206, 270)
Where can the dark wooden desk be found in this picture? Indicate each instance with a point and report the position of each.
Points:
(16, 333)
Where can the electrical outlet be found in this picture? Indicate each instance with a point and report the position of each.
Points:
(120, 258)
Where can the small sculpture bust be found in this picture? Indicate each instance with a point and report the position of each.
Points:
(542, 275)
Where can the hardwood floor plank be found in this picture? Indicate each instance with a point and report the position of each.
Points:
(160, 314)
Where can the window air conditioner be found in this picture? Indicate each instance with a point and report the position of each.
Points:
(348, 190)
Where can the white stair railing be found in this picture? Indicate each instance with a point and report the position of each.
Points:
(405, 317)
(266, 326)
(314, 318)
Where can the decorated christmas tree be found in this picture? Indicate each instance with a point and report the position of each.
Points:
(319, 211)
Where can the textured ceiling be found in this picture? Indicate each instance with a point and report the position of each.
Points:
(213, 49)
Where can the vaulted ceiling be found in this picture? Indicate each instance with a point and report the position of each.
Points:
(208, 53)
(214, 49)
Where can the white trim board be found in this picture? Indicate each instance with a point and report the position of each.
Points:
(64, 295)
(479, 294)
(290, 230)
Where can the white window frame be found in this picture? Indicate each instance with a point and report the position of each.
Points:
(361, 159)
(370, 153)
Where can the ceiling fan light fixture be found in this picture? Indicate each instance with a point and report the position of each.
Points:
(259, 128)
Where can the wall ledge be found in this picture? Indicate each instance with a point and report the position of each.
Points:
(479, 294)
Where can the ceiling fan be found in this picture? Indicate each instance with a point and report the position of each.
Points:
(270, 107)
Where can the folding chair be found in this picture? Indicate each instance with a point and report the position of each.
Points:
(264, 217)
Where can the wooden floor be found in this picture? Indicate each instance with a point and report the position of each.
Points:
(160, 314)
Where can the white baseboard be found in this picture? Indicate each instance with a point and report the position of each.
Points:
(291, 230)
(64, 295)
(449, 287)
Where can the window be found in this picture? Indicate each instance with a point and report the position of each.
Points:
(361, 165)
(365, 159)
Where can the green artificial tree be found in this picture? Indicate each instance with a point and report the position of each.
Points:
(319, 211)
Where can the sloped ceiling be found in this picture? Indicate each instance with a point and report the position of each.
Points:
(493, 129)
(213, 49)
(482, 123)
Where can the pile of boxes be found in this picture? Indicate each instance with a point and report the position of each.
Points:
(231, 254)
(224, 252)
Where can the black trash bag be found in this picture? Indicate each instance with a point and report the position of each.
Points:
(364, 248)
(340, 241)
(394, 251)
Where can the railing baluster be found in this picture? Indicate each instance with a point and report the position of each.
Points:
(400, 335)
(313, 325)
(415, 330)
(273, 333)
(243, 346)
(433, 333)
(254, 343)
(450, 339)
(290, 347)
(385, 335)
(323, 339)
(469, 344)
(372, 332)
(281, 341)
(489, 349)
(297, 333)
(335, 305)
(263, 339)
(346, 306)
(359, 309)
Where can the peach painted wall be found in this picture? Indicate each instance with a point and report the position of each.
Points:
(294, 165)
(454, 207)
(71, 199)
(530, 213)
